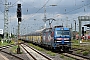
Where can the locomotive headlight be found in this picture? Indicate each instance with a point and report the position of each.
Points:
(66, 38)
(59, 38)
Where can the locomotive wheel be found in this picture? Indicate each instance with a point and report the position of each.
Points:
(66, 49)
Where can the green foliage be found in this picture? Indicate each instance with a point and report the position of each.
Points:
(51, 53)
(4, 44)
(38, 48)
(12, 36)
(85, 53)
(41, 49)
(61, 56)
(78, 52)
(14, 50)
(75, 41)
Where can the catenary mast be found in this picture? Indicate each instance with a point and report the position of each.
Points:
(6, 20)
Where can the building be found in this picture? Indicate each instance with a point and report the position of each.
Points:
(1, 33)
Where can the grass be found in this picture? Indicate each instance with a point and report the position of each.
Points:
(37, 47)
(65, 57)
(75, 44)
(78, 52)
(43, 50)
(62, 56)
(3, 44)
(82, 46)
(75, 41)
(86, 40)
(51, 53)
(85, 53)
(14, 49)
(6, 43)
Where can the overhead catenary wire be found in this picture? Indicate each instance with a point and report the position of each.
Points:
(59, 2)
(38, 10)
(15, 3)
(1, 2)
(77, 8)
(63, 13)
(42, 6)
(66, 12)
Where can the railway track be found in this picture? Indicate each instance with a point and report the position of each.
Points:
(15, 57)
(77, 57)
(34, 54)
(72, 55)
(8, 53)
(75, 49)
(7, 46)
(80, 55)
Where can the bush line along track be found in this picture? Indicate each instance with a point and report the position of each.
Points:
(36, 55)
(8, 46)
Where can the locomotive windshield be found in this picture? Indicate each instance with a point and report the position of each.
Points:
(62, 33)
(58, 33)
(66, 33)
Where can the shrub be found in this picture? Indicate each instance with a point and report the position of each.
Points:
(61, 56)
(51, 53)
(78, 52)
(85, 53)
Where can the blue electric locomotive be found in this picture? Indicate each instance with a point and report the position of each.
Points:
(57, 38)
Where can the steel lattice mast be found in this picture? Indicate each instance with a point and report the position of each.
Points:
(6, 20)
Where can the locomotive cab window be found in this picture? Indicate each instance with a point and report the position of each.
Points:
(66, 33)
(58, 33)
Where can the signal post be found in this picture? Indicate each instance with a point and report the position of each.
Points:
(19, 15)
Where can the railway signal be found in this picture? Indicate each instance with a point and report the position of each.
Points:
(19, 19)
(19, 15)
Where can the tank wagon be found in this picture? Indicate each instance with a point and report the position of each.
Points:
(54, 38)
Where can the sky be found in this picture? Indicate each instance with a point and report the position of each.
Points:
(33, 13)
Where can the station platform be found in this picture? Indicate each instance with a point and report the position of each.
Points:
(2, 57)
